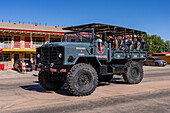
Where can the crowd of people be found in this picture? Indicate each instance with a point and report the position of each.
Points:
(124, 43)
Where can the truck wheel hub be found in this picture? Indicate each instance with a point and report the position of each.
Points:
(134, 72)
(83, 80)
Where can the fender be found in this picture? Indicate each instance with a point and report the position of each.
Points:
(91, 59)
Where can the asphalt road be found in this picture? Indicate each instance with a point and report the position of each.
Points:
(21, 93)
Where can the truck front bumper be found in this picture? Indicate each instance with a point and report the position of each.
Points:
(55, 68)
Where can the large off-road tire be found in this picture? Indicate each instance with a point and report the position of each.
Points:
(82, 79)
(134, 73)
(48, 82)
(106, 78)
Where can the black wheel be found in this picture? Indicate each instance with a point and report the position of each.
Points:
(48, 82)
(134, 73)
(157, 64)
(106, 78)
(163, 65)
(82, 79)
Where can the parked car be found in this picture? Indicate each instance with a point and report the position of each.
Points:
(154, 61)
(18, 65)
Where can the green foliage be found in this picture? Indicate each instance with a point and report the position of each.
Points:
(155, 44)
(166, 47)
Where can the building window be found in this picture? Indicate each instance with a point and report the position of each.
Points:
(38, 40)
(5, 57)
(55, 39)
(5, 39)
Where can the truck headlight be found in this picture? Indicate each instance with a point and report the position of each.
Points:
(60, 55)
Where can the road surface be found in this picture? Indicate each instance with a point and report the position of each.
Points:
(21, 93)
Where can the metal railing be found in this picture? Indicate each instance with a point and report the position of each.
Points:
(19, 45)
(6, 45)
(36, 44)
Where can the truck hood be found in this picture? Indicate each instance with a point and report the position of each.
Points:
(75, 44)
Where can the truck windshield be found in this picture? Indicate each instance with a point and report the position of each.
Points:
(77, 37)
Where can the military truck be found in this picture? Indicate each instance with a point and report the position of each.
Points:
(89, 54)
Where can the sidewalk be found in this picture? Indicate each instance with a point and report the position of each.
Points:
(14, 74)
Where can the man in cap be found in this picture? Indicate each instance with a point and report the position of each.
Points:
(98, 38)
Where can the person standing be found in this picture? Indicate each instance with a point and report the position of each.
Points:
(98, 38)
(23, 67)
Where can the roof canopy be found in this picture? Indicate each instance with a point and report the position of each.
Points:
(98, 27)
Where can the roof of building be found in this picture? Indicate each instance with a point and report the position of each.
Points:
(5, 26)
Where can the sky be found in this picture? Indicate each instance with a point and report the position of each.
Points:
(152, 16)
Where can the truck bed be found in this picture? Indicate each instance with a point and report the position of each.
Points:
(122, 54)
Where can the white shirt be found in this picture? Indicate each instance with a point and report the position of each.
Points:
(99, 40)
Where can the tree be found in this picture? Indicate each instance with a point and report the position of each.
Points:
(155, 43)
(166, 47)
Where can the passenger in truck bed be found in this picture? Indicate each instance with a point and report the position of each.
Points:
(114, 42)
(127, 43)
(142, 44)
(123, 43)
(137, 43)
(98, 38)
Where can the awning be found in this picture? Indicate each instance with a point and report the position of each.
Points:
(17, 50)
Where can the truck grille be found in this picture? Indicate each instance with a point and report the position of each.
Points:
(50, 55)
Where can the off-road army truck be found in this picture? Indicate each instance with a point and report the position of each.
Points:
(89, 54)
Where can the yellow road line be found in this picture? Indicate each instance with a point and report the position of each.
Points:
(61, 102)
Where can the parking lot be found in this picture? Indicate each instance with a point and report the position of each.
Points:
(22, 93)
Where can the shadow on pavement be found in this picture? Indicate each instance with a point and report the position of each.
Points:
(103, 84)
(35, 75)
(113, 80)
(36, 81)
(37, 88)
(117, 81)
(63, 90)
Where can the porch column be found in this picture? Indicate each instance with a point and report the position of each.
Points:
(31, 57)
(31, 43)
(12, 42)
(49, 38)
